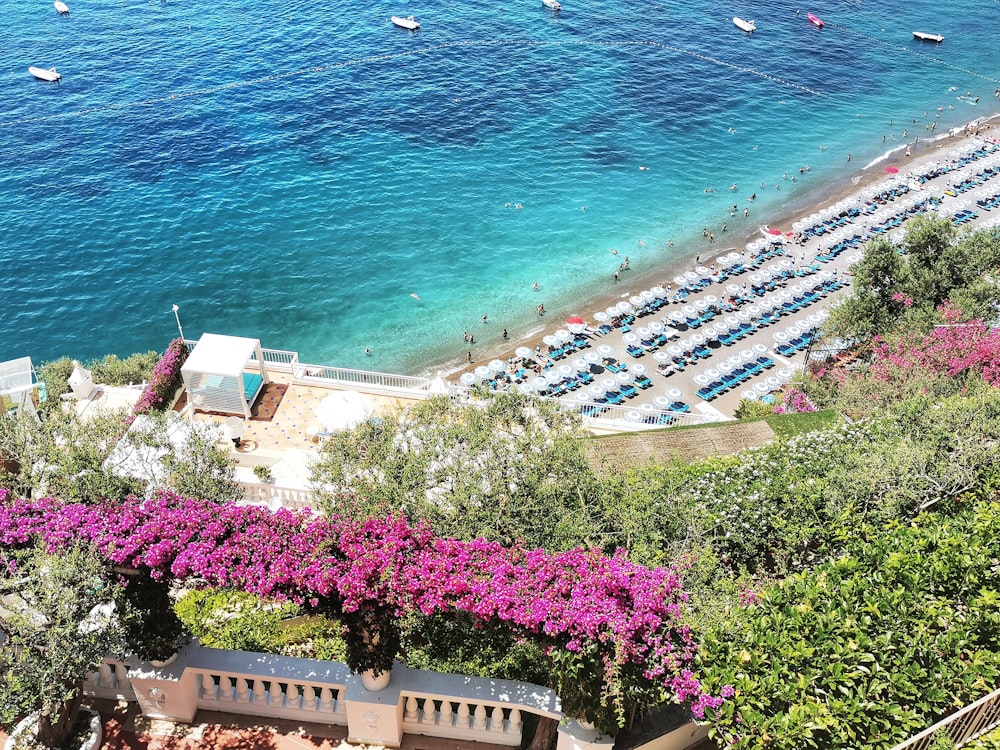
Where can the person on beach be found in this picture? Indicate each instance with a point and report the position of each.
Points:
(746, 213)
(504, 334)
(616, 278)
(472, 339)
(540, 309)
(470, 357)
(485, 319)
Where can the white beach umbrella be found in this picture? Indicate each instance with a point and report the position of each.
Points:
(734, 256)
(780, 336)
(733, 288)
(794, 331)
(675, 350)
(552, 376)
(697, 338)
(772, 381)
(754, 310)
(748, 355)
(722, 260)
(539, 383)
(761, 388)
(724, 367)
(624, 306)
(580, 364)
(677, 316)
(675, 394)
(720, 326)
(743, 315)
(711, 335)
(576, 328)
(690, 276)
(656, 326)
(661, 356)
(525, 388)
(592, 357)
(609, 384)
(815, 319)
(566, 370)
(703, 270)
(760, 348)
(605, 350)
(596, 390)
(685, 344)
(749, 395)
(550, 340)
(562, 334)
(701, 379)
(647, 295)
(735, 360)
(636, 301)
(624, 376)
(343, 410)
(613, 311)
(711, 299)
(582, 396)
(482, 372)
(496, 365)
(638, 369)
(646, 409)
(523, 352)
(661, 402)
(712, 372)
(658, 291)
(784, 374)
(633, 416)
(689, 310)
(680, 280)
(467, 378)
(644, 332)
(701, 304)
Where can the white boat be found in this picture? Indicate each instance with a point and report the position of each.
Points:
(552, 4)
(405, 23)
(745, 25)
(45, 74)
(61, 7)
(928, 37)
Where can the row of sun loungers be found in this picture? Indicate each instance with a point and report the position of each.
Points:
(735, 378)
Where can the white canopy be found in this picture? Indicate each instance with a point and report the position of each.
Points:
(214, 376)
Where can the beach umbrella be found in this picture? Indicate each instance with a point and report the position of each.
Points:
(659, 291)
(592, 357)
(550, 340)
(661, 401)
(644, 332)
(674, 393)
(749, 354)
(684, 345)
(794, 331)
(613, 311)
(496, 365)
(760, 348)
(624, 306)
(596, 390)
(892, 170)
(723, 260)
(633, 416)
(482, 372)
(733, 288)
(647, 294)
(677, 316)
(552, 376)
(701, 379)
(523, 352)
(605, 350)
(724, 367)
(539, 383)
(780, 336)
(796, 289)
(701, 304)
(636, 301)
(815, 319)
(646, 409)
(582, 396)
(609, 384)
(720, 326)
(774, 232)
(743, 315)
(525, 388)
(697, 338)
(661, 356)
(711, 299)
(576, 328)
(735, 360)
(761, 388)
(703, 270)
(772, 381)
(566, 370)
(638, 369)
(713, 373)
(580, 364)
(468, 378)
(574, 320)
(624, 376)
(690, 276)
(680, 280)
(656, 326)
(711, 335)
(749, 395)
(689, 310)
(735, 256)
(562, 335)
(343, 410)
(784, 374)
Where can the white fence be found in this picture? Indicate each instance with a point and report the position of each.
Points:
(961, 727)
(451, 706)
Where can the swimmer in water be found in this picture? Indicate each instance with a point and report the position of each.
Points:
(414, 295)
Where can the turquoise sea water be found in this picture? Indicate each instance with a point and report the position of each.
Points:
(294, 170)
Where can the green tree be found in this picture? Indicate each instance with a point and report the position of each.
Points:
(508, 468)
(870, 309)
(58, 617)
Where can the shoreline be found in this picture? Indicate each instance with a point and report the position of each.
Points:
(633, 281)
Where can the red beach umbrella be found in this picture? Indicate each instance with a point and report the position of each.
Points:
(574, 320)
(774, 231)
(892, 170)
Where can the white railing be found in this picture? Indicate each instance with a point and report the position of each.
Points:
(110, 682)
(279, 359)
(364, 380)
(280, 693)
(961, 727)
(276, 497)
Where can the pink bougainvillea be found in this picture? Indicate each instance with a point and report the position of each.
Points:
(629, 613)
(165, 380)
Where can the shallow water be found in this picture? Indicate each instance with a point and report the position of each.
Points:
(295, 173)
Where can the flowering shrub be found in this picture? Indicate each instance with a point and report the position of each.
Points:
(794, 401)
(165, 380)
(625, 614)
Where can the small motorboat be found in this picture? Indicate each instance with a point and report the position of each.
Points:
(552, 4)
(61, 7)
(750, 25)
(925, 37)
(45, 74)
(815, 20)
(405, 23)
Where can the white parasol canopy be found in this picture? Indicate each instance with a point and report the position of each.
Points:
(343, 410)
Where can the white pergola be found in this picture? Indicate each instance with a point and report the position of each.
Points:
(214, 376)
(17, 381)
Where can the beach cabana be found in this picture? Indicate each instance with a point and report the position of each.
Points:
(214, 376)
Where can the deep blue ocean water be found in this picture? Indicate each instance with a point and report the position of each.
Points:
(294, 170)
